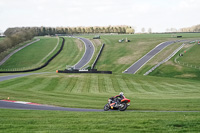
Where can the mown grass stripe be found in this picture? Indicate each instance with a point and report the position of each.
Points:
(136, 87)
(40, 86)
(63, 81)
(86, 86)
(30, 83)
(101, 84)
(72, 83)
(173, 87)
(53, 82)
(161, 87)
(67, 85)
(94, 84)
(20, 85)
(152, 87)
(12, 82)
(115, 83)
(122, 84)
(79, 85)
(129, 84)
(108, 84)
(144, 86)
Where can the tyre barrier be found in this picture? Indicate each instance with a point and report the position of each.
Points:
(84, 71)
(93, 65)
(44, 65)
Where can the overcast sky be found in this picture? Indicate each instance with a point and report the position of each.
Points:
(156, 14)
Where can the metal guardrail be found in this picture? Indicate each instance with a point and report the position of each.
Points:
(165, 60)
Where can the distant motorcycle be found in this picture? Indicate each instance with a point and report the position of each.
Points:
(117, 104)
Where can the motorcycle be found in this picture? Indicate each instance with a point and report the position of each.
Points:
(120, 105)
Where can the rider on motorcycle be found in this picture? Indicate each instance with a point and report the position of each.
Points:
(117, 99)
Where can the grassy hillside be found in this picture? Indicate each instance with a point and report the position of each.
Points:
(188, 65)
(8, 51)
(72, 52)
(32, 56)
(119, 56)
(191, 56)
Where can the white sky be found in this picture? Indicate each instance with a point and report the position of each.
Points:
(156, 14)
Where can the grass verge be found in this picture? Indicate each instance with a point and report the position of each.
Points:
(58, 121)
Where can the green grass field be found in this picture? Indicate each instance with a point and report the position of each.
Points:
(160, 91)
(8, 51)
(74, 122)
(191, 56)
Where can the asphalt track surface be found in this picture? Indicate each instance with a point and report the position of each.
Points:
(89, 52)
(2, 78)
(8, 56)
(10, 105)
(142, 61)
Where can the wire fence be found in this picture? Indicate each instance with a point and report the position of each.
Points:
(188, 65)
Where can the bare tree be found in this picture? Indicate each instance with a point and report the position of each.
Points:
(143, 30)
(149, 30)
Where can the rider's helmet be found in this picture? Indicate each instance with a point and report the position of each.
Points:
(121, 94)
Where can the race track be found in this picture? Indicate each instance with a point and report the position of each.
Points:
(23, 106)
(142, 61)
(33, 106)
(89, 52)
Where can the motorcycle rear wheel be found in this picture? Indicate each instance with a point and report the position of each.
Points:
(123, 107)
(106, 107)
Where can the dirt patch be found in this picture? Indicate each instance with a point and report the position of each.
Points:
(188, 45)
(187, 76)
(125, 60)
(79, 44)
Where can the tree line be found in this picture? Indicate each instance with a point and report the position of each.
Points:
(41, 31)
(18, 35)
(195, 28)
(84, 30)
(14, 36)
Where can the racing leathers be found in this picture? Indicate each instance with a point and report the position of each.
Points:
(117, 99)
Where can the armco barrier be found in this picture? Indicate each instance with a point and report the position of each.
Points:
(93, 65)
(44, 65)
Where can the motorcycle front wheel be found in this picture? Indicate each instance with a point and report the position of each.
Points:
(106, 107)
(123, 107)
